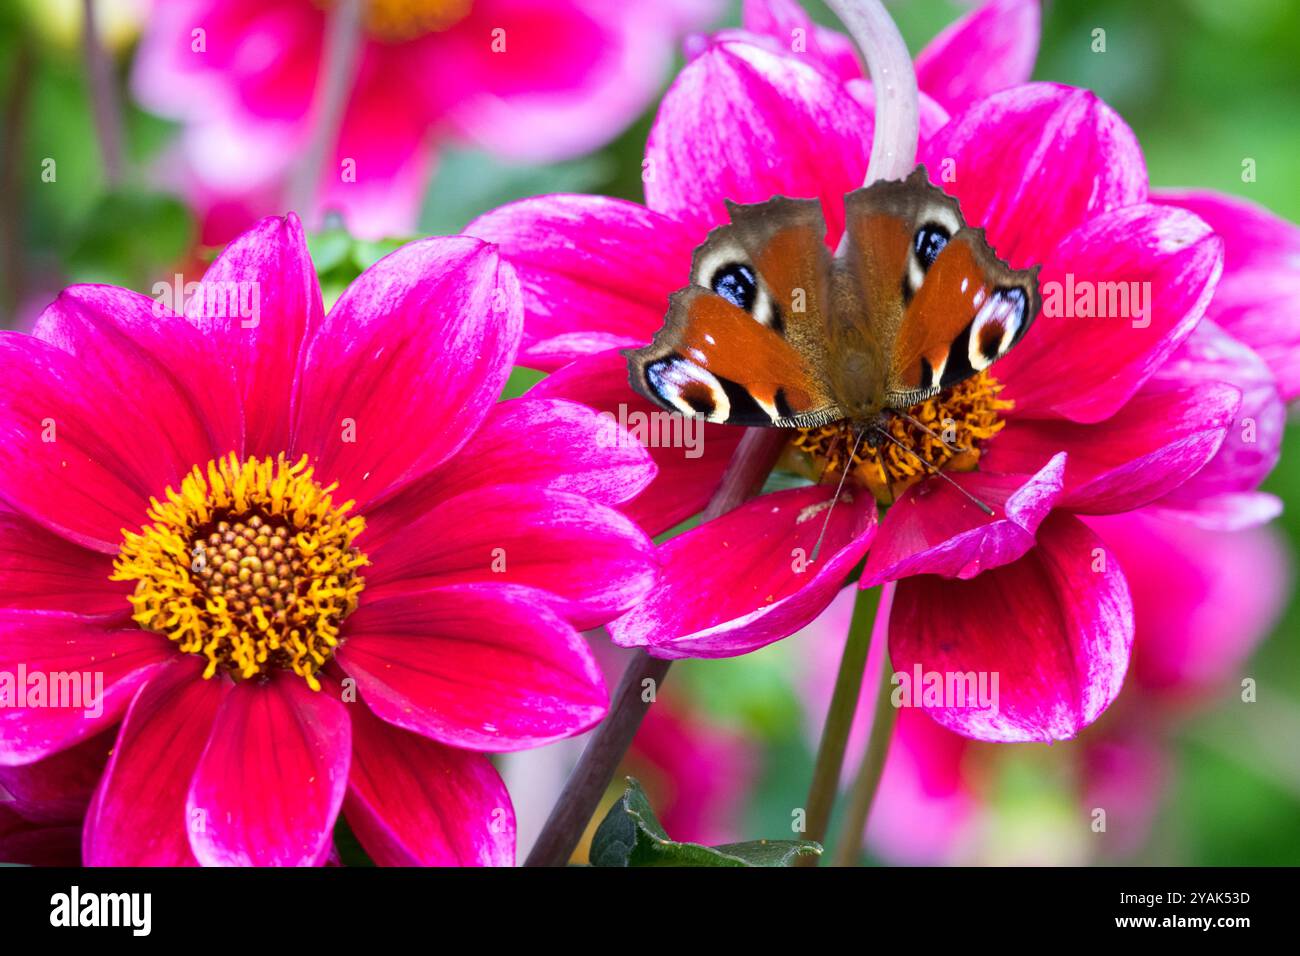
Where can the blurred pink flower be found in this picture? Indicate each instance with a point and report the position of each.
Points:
(530, 80)
(298, 542)
(1108, 417)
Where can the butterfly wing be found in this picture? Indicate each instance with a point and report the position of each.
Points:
(745, 343)
(933, 292)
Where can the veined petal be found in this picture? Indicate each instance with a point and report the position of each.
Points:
(1054, 628)
(934, 529)
(41, 571)
(595, 273)
(414, 802)
(989, 49)
(270, 783)
(477, 666)
(433, 326)
(748, 578)
(746, 124)
(1032, 163)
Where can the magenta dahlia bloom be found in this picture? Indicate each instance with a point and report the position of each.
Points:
(1089, 415)
(530, 80)
(316, 566)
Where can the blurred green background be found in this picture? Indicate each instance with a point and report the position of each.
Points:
(1204, 83)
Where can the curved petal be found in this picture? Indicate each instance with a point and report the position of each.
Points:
(690, 456)
(746, 579)
(587, 561)
(59, 788)
(1054, 629)
(271, 780)
(1166, 434)
(41, 571)
(258, 303)
(85, 443)
(790, 28)
(987, 50)
(93, 670)
(413, 802)
(1120, 294)
(595, 272)
(110, 329)
(476, 666)
(1034, 162)
(433, 326)
(546, 444)
(934, 529)
(138, 816)
(746, 124)
(1256, 298)
(1254, 439)
(1226, 511)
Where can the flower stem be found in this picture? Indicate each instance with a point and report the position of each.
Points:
(754, 457)
(104, 102)
(334, 83)
(839, 720)
(872, 767)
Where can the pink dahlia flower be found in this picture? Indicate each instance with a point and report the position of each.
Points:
(530, 80)
(1087, 416)
(316, 566)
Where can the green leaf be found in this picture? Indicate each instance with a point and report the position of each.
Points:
(631, 835)
(130, 238)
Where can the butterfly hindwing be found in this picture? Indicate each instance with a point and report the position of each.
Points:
(935, 295)
(744, 343)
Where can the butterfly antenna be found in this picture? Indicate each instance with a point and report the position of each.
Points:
(934, 470)
(848, 466)
(925, 428)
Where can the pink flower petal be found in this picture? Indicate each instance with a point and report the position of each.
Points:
(987, 50)
(52, 644)
(59, 788)
(1182, 578)
(934, 529)
(742, 581)
(1227, 511)
(85, 442)
(1082, 363)
(595, 272)
(794, 32)
(1256, 298)
(745, 124)
(1254, 439)
(40, 570)
(690, 457)
(547, 444)
(1055, 628)
(413, 802)
(27, 843)
(138, 816)
(258, 302)
(1034, 162)
(476, 666)
(270, 784)
(590, 561)
(432, 326)
(1160, 439)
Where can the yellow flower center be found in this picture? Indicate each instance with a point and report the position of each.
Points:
(250, 565)
(396, 21)
(964, 417)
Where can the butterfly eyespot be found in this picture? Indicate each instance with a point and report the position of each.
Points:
(928, 242)
(737, 284)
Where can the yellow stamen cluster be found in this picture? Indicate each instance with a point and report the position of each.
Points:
(250, 564)
(396, 21)
(965, 416)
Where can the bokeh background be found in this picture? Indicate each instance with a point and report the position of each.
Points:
(1204, 84)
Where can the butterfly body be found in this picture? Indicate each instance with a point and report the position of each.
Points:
(775, 331)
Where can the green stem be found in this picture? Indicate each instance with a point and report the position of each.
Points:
(839, 720)
(872, 768)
